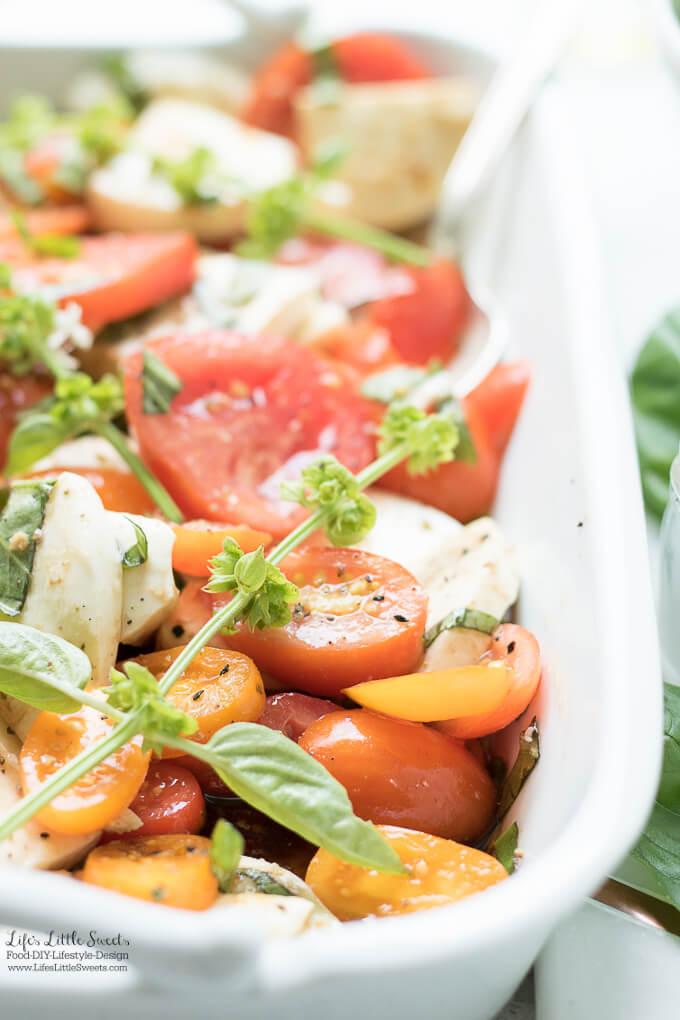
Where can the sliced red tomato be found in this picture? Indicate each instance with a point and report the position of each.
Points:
(169, 800)
(252, 412)
(17, 393)
(114, 276)
(499, 399)
(364, 57)
(359, 616)
(425, 320)
(291, 713)
(463, 490)
(65, 219)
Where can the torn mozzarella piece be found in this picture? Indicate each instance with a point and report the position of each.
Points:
(149, 592)
(400, 138)
(407, 531)
(87, 452)
(32, 846)
(76, 583)
(127, 194)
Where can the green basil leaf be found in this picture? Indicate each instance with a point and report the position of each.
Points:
(40, 669)
(471, 619)
(263, 882)
(525, 763)
(139, 552)
(21, 516)
(160, 385)
(277, 777)
(655, 392)
(34, 437)
(225, 852)
(465, 450)
(504, 847)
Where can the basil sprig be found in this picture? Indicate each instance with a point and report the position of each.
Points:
(21, 516)
(225, 852)
(138, 553)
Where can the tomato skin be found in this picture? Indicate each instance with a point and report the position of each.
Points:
(340, 633)
(518, 648)
(291, 713)
(403, 773)
(427, 321)
(370, 56)
(251, 411)
(17, 393)
(118, 490)
(169, 800)
(114, 276)
(498, 400)
(465, 491)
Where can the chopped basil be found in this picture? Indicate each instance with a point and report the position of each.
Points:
(139, 552)
(22, 511)
(525, 763)
(470, 619)
(505, 846)
(160, 385)
(263, 882)
(225, 852)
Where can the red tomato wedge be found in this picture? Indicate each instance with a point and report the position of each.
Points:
(359, 617)
(114, 276)
(17, 393)
(499, 398)
(252, 412)
(363, 57)
(196, 542)
(66, 219)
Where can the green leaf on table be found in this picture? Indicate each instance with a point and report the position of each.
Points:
(659, 845)
(22, 511)
(525, 763)
(274, 775)
(655, 392)
(225, 852)
(505, 846)
(40, 669)
(139, 552)
(159, 384)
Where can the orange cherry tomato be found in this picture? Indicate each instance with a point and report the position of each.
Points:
(403, 773)
(96, 798)
(171, 869)
(219, 687)
(196, 542)
(440, 872)
(359, 617)
(118, 490)
(518, 648)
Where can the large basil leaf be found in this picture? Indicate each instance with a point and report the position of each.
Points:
(659, 846)
(33, 438)
(655, 391)
(40, 669)
(277, 777)
(22, 510)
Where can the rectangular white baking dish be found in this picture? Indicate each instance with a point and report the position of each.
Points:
(570, 500)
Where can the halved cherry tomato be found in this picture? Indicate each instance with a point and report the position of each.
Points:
(218, 687)
(253, 411)
(498, 400)
(360, 58)
(292, 713)
(464, 490)
(518, 648)
(359, 617)
(170, 869)
(17, 393)
(169, 800)
(404, 773)
(99, 796)
(196, 542)
(427, 320)
(461, 691)
(440, 872)
(65, 219)
(118, 490)
(114, 276)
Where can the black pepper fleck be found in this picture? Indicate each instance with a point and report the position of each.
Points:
(511, 647)
(178, 630)
(225, 669)
(400, 618)
(197, 695)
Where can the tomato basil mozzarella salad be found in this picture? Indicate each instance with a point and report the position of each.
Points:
(255, 625)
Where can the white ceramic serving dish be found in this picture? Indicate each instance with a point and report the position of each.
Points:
(667, 26)
(570, 499)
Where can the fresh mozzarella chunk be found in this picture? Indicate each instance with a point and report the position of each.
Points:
(127, 194)
(149, 592)
(76, 582)
(32, 846)
(18, 716)
(408, 532)
(88, 452)
(400, 138)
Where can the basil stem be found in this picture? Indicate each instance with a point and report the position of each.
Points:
(391, 245)
(158, 492)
